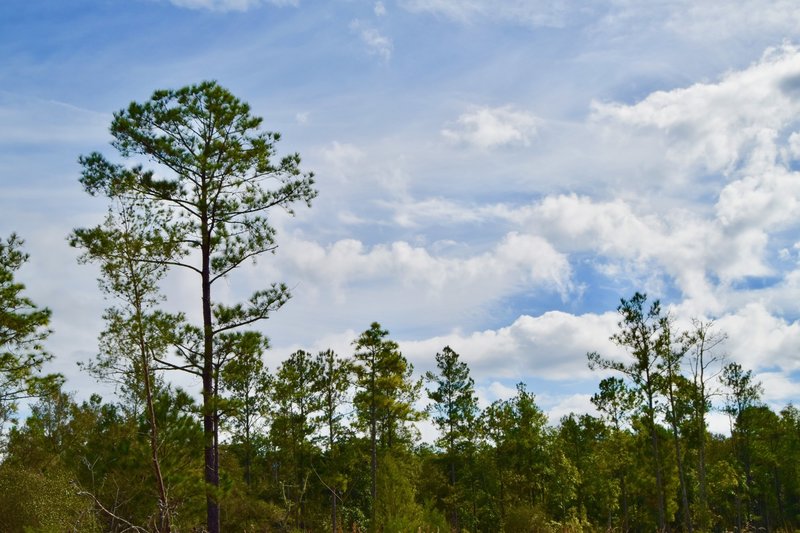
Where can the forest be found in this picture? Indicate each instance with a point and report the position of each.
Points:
(327, 441)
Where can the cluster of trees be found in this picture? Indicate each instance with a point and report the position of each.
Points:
(328, 442)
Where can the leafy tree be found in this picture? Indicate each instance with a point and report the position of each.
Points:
(385, 394)
(23, 328)
(214, 164)
(456, 409)
(788, 467)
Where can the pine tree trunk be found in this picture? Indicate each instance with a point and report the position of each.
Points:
(209, 400)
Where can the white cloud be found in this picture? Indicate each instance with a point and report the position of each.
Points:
(561, 406)
(491, 127)
(516, 261)
(760, 340)
(377, 43)
(231, 5)
(722, 126)
(634, 244)
(779, 389)
(380, 9)
(551, 346)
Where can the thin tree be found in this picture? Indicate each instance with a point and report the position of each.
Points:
(705, 364)
(136, 331)
(334, 383)
(296, 399)
(456, 408)
(743, 394)
(617, 402)
(384, 397)
(215, 165)
(644, 332)
(678, 405)
(246, 384)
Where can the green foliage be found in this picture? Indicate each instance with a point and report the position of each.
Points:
(385, 390)
(35, 501)
(384, 398)
(455, 408)
(246, 388)
(454, 401)
(23, 328)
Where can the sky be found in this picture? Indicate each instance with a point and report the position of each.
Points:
(493, 175)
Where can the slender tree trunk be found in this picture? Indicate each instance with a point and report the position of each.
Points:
(209, 400)
(248, 445)
(373, 435)
(331, 452)
(451, 452)
(625, 520)
(701, 456)
(687, 517)
(662, 514)
(163, 503)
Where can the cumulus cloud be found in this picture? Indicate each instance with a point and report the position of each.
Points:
(725, 125)
(492, 127)
(627, 241)
(560, 406)
(551, 346)
(760, 340)
(231, 5)
(377, 44)
(516, 261)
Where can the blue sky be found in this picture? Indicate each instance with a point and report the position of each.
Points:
(493, 175)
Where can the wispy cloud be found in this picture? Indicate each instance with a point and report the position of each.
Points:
(552, 13)
(231, 5)
(491, 127)
(29, 120)
(377, 44)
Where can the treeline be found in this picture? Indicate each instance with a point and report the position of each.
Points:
(328, 443)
